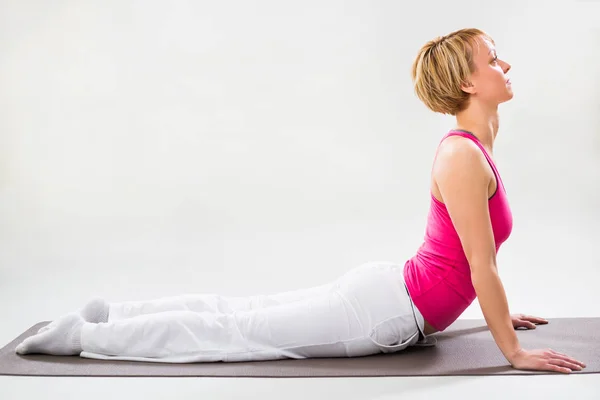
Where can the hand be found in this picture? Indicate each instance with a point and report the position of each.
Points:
(526, 321)
(545, 360)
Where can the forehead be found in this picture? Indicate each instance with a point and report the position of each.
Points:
(484, 48)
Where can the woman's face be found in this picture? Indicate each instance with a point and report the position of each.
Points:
(489, 83)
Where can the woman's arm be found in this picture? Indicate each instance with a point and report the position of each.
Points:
(462, 175)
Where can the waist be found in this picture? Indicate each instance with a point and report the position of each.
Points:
(438, 256)
(440, 293)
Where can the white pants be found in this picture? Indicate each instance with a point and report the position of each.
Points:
(366, 311)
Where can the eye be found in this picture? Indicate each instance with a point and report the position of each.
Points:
(495, 58)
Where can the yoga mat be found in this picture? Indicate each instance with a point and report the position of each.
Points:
(465, 348)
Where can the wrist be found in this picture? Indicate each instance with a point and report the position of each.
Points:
(514, 353)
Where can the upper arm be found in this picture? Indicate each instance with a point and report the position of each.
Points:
(462, 177)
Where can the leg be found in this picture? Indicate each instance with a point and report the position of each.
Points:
(366, 312)
(210, 302)
(98, 310)
(319, 326)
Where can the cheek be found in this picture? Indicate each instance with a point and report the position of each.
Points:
(490, 86)
(496, 82)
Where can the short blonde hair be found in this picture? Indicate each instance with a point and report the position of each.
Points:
(442, 66)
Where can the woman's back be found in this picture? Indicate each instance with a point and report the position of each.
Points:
(438, 277)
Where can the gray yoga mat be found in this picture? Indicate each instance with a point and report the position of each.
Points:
(465, 348)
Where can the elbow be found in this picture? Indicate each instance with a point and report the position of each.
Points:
(483, 266)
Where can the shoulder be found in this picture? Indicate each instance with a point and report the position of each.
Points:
(460, 157)
(462, 177)
(458, 146)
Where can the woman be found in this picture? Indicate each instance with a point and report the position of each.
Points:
(378, 306)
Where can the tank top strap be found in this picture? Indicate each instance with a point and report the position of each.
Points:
(469, 135)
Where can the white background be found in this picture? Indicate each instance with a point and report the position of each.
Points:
(153, 148)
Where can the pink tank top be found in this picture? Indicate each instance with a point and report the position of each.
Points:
(438, 277)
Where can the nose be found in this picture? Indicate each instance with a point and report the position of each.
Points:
(506, 66)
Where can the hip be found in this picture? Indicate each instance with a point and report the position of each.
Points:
(379, 298)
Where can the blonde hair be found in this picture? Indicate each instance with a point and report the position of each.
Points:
(442, 66)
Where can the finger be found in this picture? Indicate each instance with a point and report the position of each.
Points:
(525, 324)
(566, 364)
(556, 368)
(537, 320)
(565, 357)
(530, 325)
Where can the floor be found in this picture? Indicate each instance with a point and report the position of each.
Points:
(63, 273)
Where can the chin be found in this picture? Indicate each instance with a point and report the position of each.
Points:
(507, 98)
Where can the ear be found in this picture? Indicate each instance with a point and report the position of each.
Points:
(468, 87)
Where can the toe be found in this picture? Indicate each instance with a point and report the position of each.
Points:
(32, 343)
(21, 349)
(26, 346)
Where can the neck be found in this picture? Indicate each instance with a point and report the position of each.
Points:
(481, 122)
